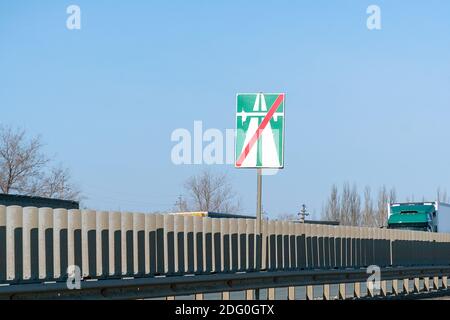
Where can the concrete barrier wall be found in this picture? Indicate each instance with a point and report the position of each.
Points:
(41, 244)
(3, 246)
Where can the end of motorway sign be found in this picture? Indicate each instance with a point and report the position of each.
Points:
(259, 130)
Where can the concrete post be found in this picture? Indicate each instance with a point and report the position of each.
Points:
(279, 245)
(354, 246)
(416, 285)
(239, 227)
(326, 292)
(387, 247)
(199, 296)
(217, 245)
(73, 238)
(405, 286)
(426, 284)
(308, 246)
(360, 247)
(271, 294)
(261, 253)
(357, 290)
(337, 247)
(292, 247)
(435, 283)
(332, 245)
(300, 245)
(150, 249)
(395, 287)
(14, 223)
(160, 240)
(45, 232)
(60, 224)
(383, 288)
(126, 229)
(370, 289)
(412, 258)
(30, 224)
(3, 256)
(325, 235)
(309, 293)
(444, 282)
(208, 251)
(378, 249)
(225, 295)
(249, 294)
(348, 237)
(178, 228)
(285, 255)
(225, 244)
(315, 246)
(198, 244)
(234, 234)
(342, 293)
(291, 293)
(272, 246)
(250, 245)
(114, 228)
(365, 247)
(189, 244)
(390, 235)
(101, 227)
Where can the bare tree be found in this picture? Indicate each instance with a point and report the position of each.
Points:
(181, 204)
(392, 195)
(24, 168)
(368, 214)
(350, 210)
(385, 197)
(209, 192)
(287, 217)
(355, 207)
(332, 208)
(21, 161)
(442, 196)
(345, 214)
(347, 207)
(57, 184)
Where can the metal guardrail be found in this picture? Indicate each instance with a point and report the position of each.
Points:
(140, 288)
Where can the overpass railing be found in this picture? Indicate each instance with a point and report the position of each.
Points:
(38, 245)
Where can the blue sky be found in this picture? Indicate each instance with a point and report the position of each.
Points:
(368, 107)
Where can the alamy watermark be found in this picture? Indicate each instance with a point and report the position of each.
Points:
(73, 21)
(374, 19)
(73, 277)
(211, 146)
(374, 280)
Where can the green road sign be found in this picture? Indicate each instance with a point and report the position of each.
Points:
(259, 130)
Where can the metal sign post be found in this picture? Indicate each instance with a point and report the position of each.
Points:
(259, 144)
(258, 224)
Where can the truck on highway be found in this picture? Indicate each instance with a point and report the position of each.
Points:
(419, 216)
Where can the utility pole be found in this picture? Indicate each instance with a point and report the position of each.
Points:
(303, 213)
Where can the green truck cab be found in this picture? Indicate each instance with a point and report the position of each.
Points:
(419, 216)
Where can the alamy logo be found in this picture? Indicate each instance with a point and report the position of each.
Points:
(374, 19)
(73, 277)
(373, 282)
(73, 22)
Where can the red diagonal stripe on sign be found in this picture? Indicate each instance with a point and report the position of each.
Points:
(259, 131)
